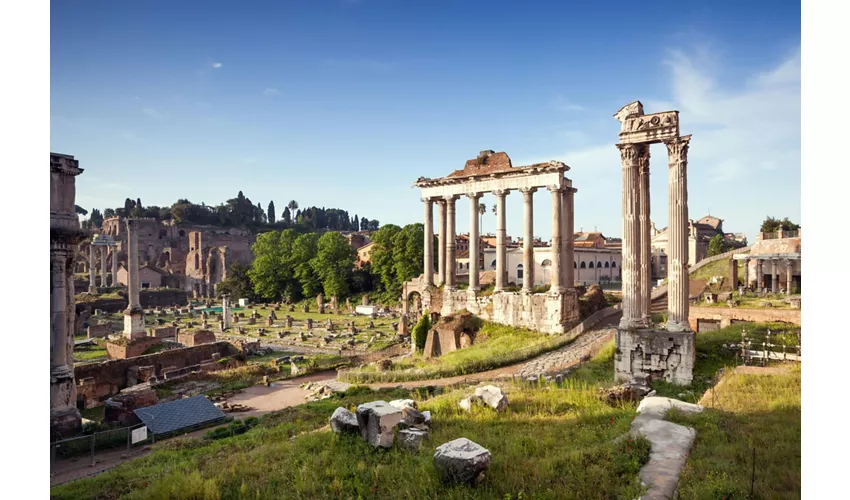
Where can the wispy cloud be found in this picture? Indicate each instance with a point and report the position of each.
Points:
(271, 91)
(216, 65)
(156, 115)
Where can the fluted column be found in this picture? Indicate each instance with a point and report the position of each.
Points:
(789, 275)
(568, 238)
(473, 241)
(451, 242)
(677, 305)
(528, 240)
(428, 265)
(103, 254)
(557, 240)
(501, 244)
(645, 235)
(630, 266)
(92, 284)
(441, 245)
(114, 265)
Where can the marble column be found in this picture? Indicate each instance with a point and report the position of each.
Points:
(225, 311)
(568, 238)
(746, 273)
(759, 275)
(104, 250)
(92, 284)
(451, 242)
(528, 240)
(645, 235)
(733, 274)
(134, 315)
(630, 267)
(473, 241)
(501, 243)
(428, 265)
(677, 305)
(441, 245)
(774, 279)
(114, 265)
(557, 240)
(789, 276)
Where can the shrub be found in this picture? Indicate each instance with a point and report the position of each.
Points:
(420, 331)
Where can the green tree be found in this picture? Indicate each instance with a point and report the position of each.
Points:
(272, 270)
(108, 213)
(419, 333)
(364, 224)
(238, 283)
(382, 257)
(772, 225)
(270, 212)
(408, 254)
(717, 245)
(303, 251)
(287, 216)
(333, 263)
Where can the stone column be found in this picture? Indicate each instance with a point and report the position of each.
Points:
(92, 284)
(473, 241)
(789, 276)
(134, 316)
(114, 265)
(733, 273)
(746, 273)
(225, 311)
(645, 235)
(557, 256)
(528, 240)
(677, 306)
(759, 274)
(441, 246)
(774, 279)
(104, 251)
(630, 266)
(568, 238)
(451, 242)
(428, 265)
(501, 244)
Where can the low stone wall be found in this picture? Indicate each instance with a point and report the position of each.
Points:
(727, 315)
(543, 312)
(96, 382)
(132, 349)
(163, 332)
(99, 330)
(162, 298)
(199, 337)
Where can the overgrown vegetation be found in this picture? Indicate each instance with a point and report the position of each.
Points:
(551, 443)
(420, 330)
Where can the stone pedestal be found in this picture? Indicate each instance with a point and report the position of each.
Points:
(134, 323)
(661, 354)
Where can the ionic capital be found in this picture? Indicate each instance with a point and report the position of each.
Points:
(450, 197)
(500, 193)
(427, 199)
(528, 190)
(474, 196)
(557, 189)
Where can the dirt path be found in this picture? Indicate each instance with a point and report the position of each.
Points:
(281, 394)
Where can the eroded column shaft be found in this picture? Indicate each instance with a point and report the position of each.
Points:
(631, 237)
(677, 305)
(428, 264)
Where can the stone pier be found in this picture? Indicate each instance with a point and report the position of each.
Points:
(65, 237)
(666, 353)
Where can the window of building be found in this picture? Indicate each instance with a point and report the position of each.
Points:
(146, 284)
(493, 264)
(583, 265)
(546, 263)
(591, 265)
(606, 265)
(519, 271)
(613, 264)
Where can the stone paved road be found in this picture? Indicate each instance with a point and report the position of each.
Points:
(585, 345)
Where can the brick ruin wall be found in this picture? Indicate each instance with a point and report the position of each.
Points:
(96, 382)
(726, 315)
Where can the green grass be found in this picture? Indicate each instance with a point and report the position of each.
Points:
(556, 443)
(746, 412)
(495, 345)
(95, 413)
(753, 301)
(91, 354)
(708, 271)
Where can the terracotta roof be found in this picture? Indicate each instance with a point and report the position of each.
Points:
(462, 254)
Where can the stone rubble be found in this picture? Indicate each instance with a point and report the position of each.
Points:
(377, 421)
(461, 461)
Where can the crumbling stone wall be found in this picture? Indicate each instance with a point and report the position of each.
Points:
(199, 337)
(96, 382)
(99, 330)
(660, 354)
(726, 316)
(131, 349)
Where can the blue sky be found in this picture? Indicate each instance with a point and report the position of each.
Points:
(345, 103)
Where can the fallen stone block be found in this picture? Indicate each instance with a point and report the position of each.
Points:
(343, 421)
(657, 407)
(376, 421)
(411, 439)
(493, 397)
(402, 403)
(412, 415)
(461, 461)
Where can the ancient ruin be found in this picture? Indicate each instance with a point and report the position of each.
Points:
(641, 349)
(65, 236)
(134, 315)
(554, 311)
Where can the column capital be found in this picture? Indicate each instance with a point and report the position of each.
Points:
(474, 195)
(451, 197)
(500, 193)
(677, 149)
(629, 153)
(427, 199)
(557, 189)
(528, 190)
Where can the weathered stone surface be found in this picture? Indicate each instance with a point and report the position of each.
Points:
(402, 403)
(493, 397)
(411, 439)
(658, 406)
(427, 415)
(343, 421)
(412, 415)
(467, 402)
(376, 421)
(461, 461)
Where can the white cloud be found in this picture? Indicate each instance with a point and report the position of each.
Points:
(270, 91)
(216, 65)
(156, 115)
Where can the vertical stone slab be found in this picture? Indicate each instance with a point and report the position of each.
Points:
(733, 273)
(631, 240)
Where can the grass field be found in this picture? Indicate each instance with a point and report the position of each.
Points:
(553, 442)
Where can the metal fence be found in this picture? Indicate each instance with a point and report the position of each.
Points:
(771, 346)
(90, 444)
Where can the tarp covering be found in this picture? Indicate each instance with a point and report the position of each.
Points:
(179, 414)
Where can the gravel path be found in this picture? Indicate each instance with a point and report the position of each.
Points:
(571, 354)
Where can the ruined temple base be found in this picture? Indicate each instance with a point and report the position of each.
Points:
(661, 354)
(132, 348)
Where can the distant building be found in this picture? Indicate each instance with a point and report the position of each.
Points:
(700, 234)
(149, 276)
